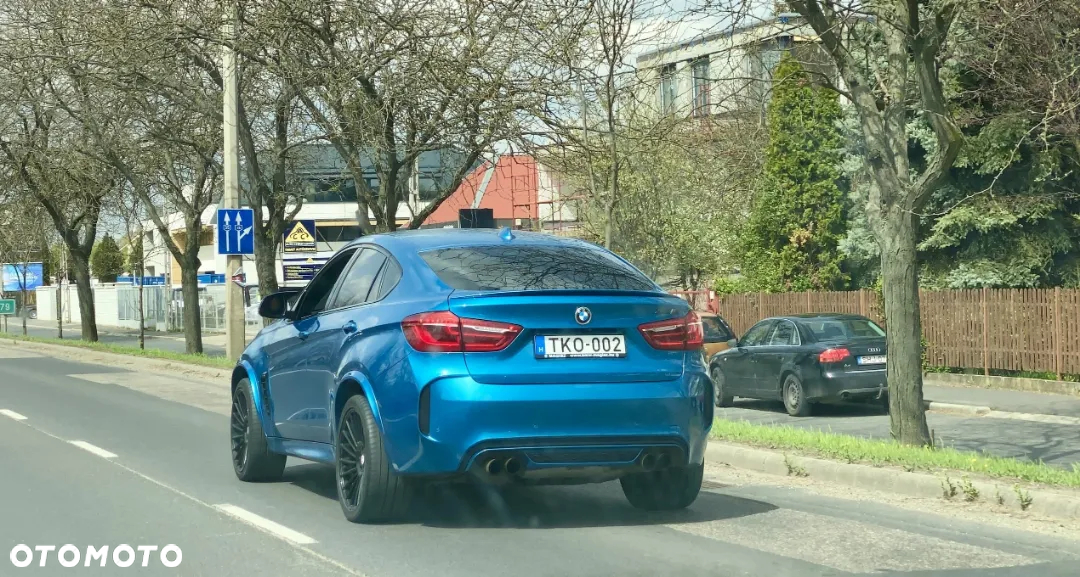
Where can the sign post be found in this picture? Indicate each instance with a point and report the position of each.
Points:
(7, 307)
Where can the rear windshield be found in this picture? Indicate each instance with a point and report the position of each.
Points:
(513, 268)
(716, 330)
(842, 329)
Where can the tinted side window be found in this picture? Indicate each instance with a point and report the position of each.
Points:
(783, 335)
(358, 281)
(524, 267)
(388, 279)
(715, 331)
(840, 329)
(318, 290)
(757, 334)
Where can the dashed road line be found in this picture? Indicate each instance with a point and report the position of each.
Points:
(12, 415)
(299, 546)
(94, 449)
(266, 524)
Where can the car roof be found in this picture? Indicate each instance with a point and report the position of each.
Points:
(819, 316)
(434, 238)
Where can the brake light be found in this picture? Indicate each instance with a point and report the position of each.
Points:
(682, 334)
(833, 355)
(446, 332)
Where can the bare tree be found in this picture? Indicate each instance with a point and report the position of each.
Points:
(128, 208)
(152, 114)
(42, 151)
(604, 114)
(20, 222)
(419, 78)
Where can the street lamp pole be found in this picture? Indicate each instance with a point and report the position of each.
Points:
(235, 338)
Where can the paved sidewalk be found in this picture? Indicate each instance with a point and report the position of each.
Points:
(1013, 401)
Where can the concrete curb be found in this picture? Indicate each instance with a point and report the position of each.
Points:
(1061, 504)
(957, 408)
(139, 364)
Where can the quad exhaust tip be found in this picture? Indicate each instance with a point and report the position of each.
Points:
(648, 462)
(510, 466)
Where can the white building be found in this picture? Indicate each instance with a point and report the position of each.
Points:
(726, 72)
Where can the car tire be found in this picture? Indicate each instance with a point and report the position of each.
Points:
(720, 399)
(794, 395)
(668, 489)
(251, 456)
(369, 491)
(884, 404)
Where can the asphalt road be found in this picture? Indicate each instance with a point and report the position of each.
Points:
(1055, 443)
(88, 462)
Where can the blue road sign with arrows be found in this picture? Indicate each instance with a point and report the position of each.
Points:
(234, 226)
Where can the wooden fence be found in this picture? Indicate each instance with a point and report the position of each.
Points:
(1005, 329)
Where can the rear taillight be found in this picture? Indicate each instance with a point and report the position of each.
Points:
(682, 334)
(833, 355)
(446, 332)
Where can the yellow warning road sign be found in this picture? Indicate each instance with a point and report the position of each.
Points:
(300, 237)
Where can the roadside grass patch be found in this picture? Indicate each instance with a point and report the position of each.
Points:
(201, 360)
(880, 452)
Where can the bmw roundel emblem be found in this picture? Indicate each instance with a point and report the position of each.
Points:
(582, 315)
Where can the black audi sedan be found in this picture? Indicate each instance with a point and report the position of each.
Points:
(802, 360)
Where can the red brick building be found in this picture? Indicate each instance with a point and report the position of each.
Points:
(520, 192)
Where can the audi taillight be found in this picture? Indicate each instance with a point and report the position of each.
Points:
(441, 332)
(681, 334)
(833, 355)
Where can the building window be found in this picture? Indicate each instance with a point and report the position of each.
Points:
(430, 188)
(700, 70)
(332, 191)
(667, 88)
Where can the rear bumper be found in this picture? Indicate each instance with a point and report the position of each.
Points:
(857, 384)
(562, 430)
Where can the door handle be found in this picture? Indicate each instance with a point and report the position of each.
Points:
(349, 327)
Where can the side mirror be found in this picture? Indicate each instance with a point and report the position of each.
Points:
(277, 305)
(733, 343)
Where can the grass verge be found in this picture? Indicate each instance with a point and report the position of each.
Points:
(878, 452)
(200, 360)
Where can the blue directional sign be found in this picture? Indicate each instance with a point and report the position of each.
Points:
(234, 226)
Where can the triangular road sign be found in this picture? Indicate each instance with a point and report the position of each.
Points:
(300, 234)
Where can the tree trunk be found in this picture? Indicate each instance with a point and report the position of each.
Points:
(142, 314)
(266, 258)
(899, 272)
(189, 278)
(59, 308)
(26, 313)
(81, 268)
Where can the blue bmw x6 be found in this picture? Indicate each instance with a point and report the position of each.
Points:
(496, 356)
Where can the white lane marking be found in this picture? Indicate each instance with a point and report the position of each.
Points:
(93, 449)
(1034, 418)
(265, 524)
(12, 414)
(308, 551)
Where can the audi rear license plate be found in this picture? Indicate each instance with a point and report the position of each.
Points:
(872, 360)
(579, 346)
